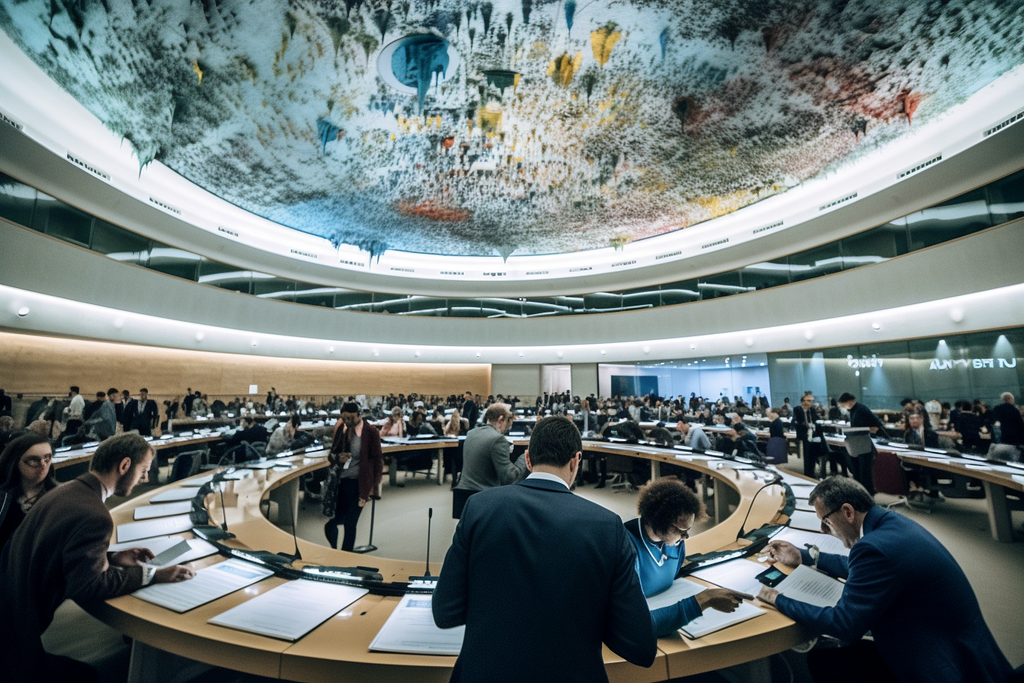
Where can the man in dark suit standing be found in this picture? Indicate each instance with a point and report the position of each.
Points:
(808, 432)
(863, 465)
(470, 410)
(141, 414)
(1011, 424)
(567, 562)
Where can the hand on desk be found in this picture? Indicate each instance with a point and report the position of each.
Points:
(786, 553)
(130, 557)
(768, 595)
(173, 574)
(721, 599)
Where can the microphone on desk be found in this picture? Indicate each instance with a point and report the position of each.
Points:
(430, 516)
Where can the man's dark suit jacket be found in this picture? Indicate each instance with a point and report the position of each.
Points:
(59, 552)
(142, 418)
(1011, 424)
(541, 578)
(906, 588)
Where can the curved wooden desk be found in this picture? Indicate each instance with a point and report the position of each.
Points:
(339, 648)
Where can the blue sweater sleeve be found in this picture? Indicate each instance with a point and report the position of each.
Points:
(667, 620)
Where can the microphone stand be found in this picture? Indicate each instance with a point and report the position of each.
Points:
(369, 547)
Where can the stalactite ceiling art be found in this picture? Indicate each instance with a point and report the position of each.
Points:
(511, 126)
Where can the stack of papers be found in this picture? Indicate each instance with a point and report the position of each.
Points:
(411, 629)
(208, 585)
(291, 610)
(811, 586)
(173, 495)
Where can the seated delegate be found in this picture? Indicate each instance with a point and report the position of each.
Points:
(25, 475)
(668, 510)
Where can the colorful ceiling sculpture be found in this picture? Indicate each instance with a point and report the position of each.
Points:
(511, 126)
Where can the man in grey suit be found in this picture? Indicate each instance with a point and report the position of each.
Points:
(486, 454)
(541, 577)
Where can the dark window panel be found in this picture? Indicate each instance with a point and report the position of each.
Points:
(353, 301)
(314, 295)
(602, 301)
(175, 262)
(874, 246)
(68, 224)
(722, 284)
(681, 292)
(766, 274)
(269, 287)
(120, 244)
(816, 262)
(960, 216)
(17, 201)
(1006, 198)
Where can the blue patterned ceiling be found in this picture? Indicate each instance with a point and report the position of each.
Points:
(513, 126)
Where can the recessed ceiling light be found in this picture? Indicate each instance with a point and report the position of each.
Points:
(876, 326)
(200, 336)
(23, 311)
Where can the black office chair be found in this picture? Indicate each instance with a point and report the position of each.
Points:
(188, 463)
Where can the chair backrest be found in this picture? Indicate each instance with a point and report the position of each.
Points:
(620, 463)
(254, 450)
(776, 450)
(889, 476)
(186, 464)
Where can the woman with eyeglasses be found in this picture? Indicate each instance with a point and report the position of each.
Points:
(668, 510)
(25, 475)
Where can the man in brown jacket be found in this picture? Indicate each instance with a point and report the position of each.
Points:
(60, 552)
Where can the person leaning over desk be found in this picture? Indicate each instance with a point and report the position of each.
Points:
(668, 510)
(902, 585)
(60, 552)
(540, 577)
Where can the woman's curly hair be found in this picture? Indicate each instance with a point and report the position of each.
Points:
(665, 500)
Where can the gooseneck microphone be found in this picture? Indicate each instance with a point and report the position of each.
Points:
(430, 517)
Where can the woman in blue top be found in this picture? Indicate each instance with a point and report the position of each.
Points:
(668, 510)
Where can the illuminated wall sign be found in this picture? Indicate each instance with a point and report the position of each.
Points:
(976, 363)
(873, 362)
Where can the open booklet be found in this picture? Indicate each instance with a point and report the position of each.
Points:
(208, 585)
(712, 620)
(411, 629)
(290, 610)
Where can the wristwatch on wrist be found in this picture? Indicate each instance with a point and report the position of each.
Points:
(814, 552)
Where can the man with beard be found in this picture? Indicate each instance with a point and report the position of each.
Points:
(60, 552)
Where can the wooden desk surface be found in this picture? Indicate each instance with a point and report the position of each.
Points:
(339, 648)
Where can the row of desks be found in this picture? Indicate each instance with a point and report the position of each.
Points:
(339, 648)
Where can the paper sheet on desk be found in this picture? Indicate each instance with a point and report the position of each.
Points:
(825, 542)
(805, 520)
(199, 548)
(163, 526)
(737, 575)
(712, 620)
(291, 610)
(197, 481)
(174, 495)
(208, 585)
(811, 586)
(679, 590)
(411, 629)
(163, 510)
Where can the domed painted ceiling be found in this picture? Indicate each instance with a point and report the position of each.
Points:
(511, 126)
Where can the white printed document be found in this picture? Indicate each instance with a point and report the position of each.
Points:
(198, 549)
(291, 610)
(737, 575)
(825, 542)
(811, 586)
(712, 620)
(162, 526)
(208, 585)
(196, 482)
(173, 495)
(411, 629)
(679, 590)
(163, 510)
